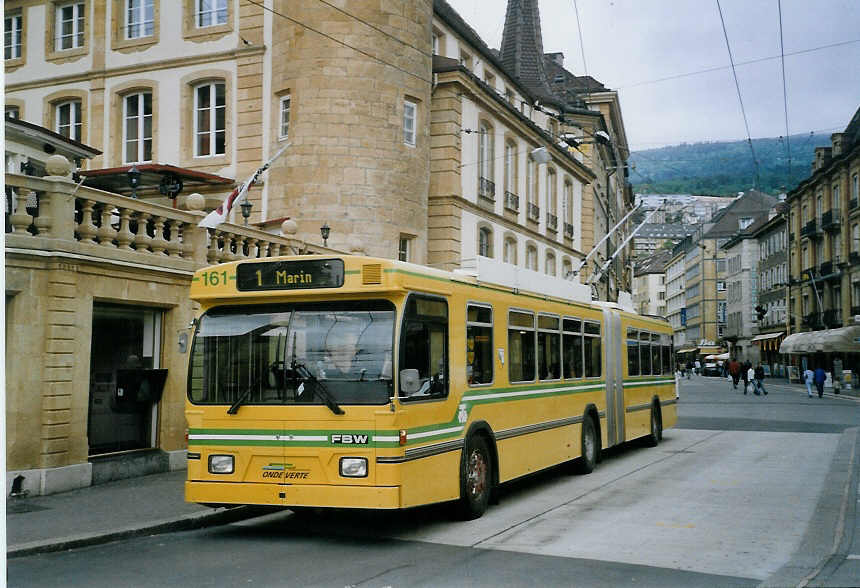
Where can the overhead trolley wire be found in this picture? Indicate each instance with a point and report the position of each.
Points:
(784, 94)
(740, 99)
(339, 42)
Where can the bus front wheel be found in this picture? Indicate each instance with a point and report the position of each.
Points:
(476, 476)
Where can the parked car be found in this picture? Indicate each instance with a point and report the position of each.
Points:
(712, 369)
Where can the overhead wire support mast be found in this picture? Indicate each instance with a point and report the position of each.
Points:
(594, 249)
(599, 273)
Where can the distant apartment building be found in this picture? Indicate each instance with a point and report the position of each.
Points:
(676, 298)
(649, 285)
(653, 237)
(824, 252)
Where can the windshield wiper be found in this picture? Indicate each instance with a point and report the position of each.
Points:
(324, 392)
(234, 408)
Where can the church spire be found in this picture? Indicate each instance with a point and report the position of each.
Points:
(522, 46)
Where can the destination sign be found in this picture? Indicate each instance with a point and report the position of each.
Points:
(290, 275)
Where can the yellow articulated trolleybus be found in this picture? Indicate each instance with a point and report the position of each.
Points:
(354, 382)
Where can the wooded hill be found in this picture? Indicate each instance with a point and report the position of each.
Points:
(723, 168)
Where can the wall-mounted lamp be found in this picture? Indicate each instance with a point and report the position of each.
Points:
(324, 233)
(133, 179)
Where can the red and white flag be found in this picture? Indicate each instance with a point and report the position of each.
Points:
(219, 215)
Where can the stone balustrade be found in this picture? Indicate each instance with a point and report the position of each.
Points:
(53, 213)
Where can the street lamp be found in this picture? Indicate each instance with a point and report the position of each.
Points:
(324, 232)
(246, 209)
(133, 179)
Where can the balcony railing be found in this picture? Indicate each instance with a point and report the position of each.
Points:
(791, 237)
(487, 189)
(533, 212)
(568, 230)
(103, 225)
(551, 221)
(832, 318)
(812, 319)
(855, 310)
(826, 268)
(512, 201)
(852, 204)
(832, 220)
(854, 257)
(809, 228)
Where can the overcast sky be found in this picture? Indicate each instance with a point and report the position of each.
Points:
(630, 42)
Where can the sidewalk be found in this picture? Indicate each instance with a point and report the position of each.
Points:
(97, 514)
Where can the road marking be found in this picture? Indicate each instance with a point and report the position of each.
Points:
(853, 556)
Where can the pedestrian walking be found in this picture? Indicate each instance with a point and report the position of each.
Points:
(698, 368)
(759, 379)
(809, 380)
(744, 369)
(735, 372)
(751, 380)
(820, 376)
(689, 368)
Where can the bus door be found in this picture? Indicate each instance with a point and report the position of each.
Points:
(614, 378)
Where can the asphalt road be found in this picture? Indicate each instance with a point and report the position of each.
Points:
(746, 491)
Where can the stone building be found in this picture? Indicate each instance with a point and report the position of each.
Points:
(409, 138)
(824, 253)
(771, 303)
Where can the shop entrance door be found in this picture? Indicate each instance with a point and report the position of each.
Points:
(123, 338)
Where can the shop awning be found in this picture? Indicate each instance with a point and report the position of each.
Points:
(767, 336)
(844, 340)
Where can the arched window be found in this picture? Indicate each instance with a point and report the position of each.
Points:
(510, 253)
(485, 242)
(567, 203)
(531, 180)
(566, 267)
(531, 258)
(550, 264)
(551, 191)
(137, 127)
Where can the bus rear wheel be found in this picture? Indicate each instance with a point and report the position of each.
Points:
(589, 445)
(656, 433)
(476, 479)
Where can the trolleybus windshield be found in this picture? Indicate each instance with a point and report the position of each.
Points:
(322, 353)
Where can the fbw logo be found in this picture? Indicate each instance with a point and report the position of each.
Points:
(348, 439)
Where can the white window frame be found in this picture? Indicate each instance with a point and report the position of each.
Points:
(213, 118)
(510, 167)
(139, 18)
(216, 15)
(78, 21)
(75, 116)
(12, 29)
(140, 122)
(485, 151)
(284, 109)
(410, 118)
(404, 249)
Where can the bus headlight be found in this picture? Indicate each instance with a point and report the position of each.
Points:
(353, 467)
(221, 464)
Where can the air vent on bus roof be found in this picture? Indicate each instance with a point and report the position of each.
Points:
(371, 273)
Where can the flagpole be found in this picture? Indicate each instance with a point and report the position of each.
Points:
(219, 215)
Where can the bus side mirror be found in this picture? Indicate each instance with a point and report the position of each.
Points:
(409, 382)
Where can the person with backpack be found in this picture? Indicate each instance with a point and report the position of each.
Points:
(735, 372)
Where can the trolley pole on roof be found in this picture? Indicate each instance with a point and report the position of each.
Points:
(594, 249)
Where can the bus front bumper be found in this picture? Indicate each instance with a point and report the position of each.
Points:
(382, 497)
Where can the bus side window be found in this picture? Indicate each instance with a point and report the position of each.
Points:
(632, 352)
(572, 348)
(479, 344)
(668, 364)
(656, 369)
(645, 353)
(521, 346)
(549, 348)
(593, 354)
(424, 346)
